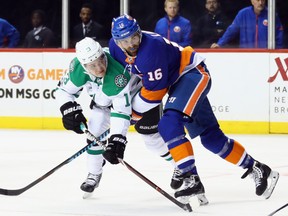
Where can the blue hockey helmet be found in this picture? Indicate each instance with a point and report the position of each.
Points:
(124, 26)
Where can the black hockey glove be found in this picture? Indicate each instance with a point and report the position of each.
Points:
(115, 148)
(72, 116)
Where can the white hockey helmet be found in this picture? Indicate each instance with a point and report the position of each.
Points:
(88, 50)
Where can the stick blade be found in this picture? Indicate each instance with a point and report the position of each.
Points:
(187, 207)
(8, 192)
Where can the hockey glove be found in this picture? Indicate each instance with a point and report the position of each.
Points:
(72, 116)
(115, 148)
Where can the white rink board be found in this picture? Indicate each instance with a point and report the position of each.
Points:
(33, 95)
(240, 89)
(279, 88)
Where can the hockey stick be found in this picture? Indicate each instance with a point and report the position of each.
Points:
(274, 212)
(185, 207)
(16, 192)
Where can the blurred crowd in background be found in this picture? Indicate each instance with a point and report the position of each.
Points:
(19, 14)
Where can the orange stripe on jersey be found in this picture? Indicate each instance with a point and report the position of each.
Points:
(153, 95)
(135, 116)
(236, 153)
(180, 152)
(198, 91)
(185, 57)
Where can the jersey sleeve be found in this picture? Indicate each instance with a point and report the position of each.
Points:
(232, 31)
(187, 35)
(279, 34)
(68, 89)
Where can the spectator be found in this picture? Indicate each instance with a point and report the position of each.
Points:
(251, 24)
(210, 26)
(40, 36)
(87, 27)
(9, 35)
(173, 26)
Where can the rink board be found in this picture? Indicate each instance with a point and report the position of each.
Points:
(248, 95)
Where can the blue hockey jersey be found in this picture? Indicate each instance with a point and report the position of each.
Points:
(253, 30)
(178, 30)
(159, 63)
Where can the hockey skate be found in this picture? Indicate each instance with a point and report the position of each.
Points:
(192, 187)
(177, 180)
(265, 179)
(90, 184)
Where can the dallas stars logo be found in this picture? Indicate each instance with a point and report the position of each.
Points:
(121, 81)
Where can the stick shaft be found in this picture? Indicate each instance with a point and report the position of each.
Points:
(16, 192)
(185, 207)
(277, 210)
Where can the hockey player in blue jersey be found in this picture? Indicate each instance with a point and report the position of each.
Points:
(167, 68)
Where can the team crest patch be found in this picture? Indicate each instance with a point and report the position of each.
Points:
(177, 29)
(121, 81)
(265, 22)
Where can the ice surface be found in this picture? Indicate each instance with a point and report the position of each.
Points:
(26, 155)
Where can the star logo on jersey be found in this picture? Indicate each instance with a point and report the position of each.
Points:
(121, 81)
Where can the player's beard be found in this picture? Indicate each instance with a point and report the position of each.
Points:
(133, 50)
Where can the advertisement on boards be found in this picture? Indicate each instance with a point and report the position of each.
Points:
(27, 86)
(278, 81)
(248, 94)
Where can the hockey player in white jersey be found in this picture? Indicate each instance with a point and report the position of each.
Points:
(107, 83)
(110, 87)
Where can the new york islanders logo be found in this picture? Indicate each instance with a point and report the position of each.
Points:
(177, 29)
(120, 81)
(16, 74)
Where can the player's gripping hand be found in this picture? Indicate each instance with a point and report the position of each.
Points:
(115, 148)
(72, 116)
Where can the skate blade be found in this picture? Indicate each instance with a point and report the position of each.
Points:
(202, 199)
(87, 195)
(184, 199)
(273, 177)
